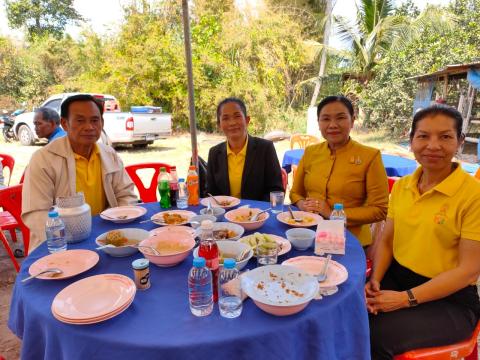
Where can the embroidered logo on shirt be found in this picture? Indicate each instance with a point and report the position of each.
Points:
(355, 160)
(441, 216)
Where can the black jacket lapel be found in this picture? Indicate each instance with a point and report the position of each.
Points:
(223, 164)
(249, 161)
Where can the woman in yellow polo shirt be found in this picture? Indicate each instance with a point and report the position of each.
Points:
(429, 253)
(341, 170)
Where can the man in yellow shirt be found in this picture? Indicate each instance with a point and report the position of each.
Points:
(74, 163)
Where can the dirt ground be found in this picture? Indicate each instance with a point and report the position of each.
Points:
(174, 150)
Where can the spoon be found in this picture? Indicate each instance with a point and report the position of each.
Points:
(323, 275)
(293, 216)
(209, 210)
(55, 271)
(216, 201)
(243, 255)
(155, 251)
(120, 217)
(255, 217)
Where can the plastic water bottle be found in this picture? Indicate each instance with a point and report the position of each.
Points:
(55, 230)
(182, 194)
(164, 188)
(200, 293)
(173, 186)
(230, 300)
(339, 214)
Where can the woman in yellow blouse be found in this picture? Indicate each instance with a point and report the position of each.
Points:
(428, 255)
(340, 170)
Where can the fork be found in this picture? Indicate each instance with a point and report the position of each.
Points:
(213, 197)
(55, 271)
(293, 216)
(255, 217)
(121, 217)
(323, 274)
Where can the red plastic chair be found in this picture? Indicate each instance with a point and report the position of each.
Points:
(466, 349)
(284, 179)
(391, 181)
(148, 194)
(11, 201)
(8, 162)
(9, 252)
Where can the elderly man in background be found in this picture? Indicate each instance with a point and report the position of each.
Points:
(47, 124)
(74, 163)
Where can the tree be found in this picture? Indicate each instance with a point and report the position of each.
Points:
(41, 17)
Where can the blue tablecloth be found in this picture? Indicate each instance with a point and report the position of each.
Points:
(159, 325)
(394, 165)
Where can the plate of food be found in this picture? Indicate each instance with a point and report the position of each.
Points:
(227, 231)
(302, 218)
(123, 214)
(173, 229)
(222, 201)
(313, 265)
(172, 217)
(120, 241)
(259, 239)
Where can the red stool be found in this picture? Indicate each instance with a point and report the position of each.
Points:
(147, 194)
(466, 349)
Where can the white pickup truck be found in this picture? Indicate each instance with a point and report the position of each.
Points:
(138, 129)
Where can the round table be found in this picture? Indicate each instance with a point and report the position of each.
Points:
(159, 325)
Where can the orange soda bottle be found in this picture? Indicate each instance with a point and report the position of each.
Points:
(192, 186)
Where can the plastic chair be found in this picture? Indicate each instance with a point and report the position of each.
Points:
(391, 181)
(147, 194)
(8, 162)
(11, 201)
(466, 349)
(302, 140)
(284, 179)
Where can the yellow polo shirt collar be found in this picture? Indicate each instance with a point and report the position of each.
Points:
(236, 163)
(448, 186)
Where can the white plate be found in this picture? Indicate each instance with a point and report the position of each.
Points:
(131, 212)
(239, 230)
(286, 218)
(313, 265)
(158, 217)
(233, 201)
(279, 285)
(132, 234)
(285, 245)
(171, 228)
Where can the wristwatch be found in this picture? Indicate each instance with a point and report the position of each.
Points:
(412, 301)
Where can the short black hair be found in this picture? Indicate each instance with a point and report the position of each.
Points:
(80, 97)
(48, 114)
(235, 100)
(436, 109)
(334, 98)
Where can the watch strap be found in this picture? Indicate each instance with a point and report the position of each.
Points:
(412, 301)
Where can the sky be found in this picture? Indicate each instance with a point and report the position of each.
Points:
(105, 15)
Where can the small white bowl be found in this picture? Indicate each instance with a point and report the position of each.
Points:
(300, 238)
(196, 220)
(132, 234)
(233, 248)
(218, 212)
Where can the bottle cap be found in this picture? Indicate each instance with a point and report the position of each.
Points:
(162, 169)
(181, 180)
(173, 167)
(199, 262)
(192, 167)
(53, 214)
(229, 263)
(338, 206)
(206, 225)
(140, 264)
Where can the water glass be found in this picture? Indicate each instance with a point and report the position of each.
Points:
(276, 201)
(266, 255)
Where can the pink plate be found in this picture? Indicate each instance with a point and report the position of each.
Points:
(71, 262)
(313, 265)
(308, 219)
(127, 213)
(93, 320)
(94, 297)
(232, 201)
(187, 215)
(173, 229)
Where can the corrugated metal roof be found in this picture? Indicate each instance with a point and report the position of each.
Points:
(448, 70)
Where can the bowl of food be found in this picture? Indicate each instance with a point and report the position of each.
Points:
(120, 241)
(243, 217)
(173, 248)
(218, 212)
(227, 231)
(279, 290)
(196, 220)
(242, 253)
(300, 238)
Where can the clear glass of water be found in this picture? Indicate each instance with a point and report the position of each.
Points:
(276, 201)
(267, 255)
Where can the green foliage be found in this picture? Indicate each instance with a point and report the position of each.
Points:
(41, 17)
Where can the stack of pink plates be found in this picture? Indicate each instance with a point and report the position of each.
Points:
(94, 299)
